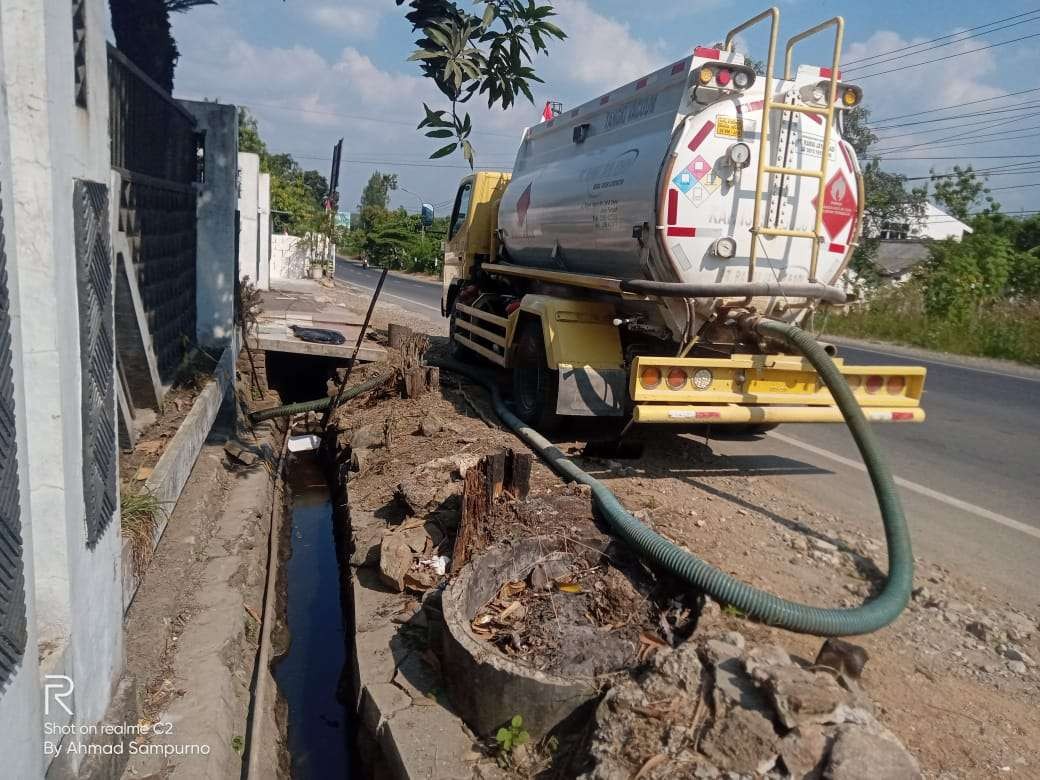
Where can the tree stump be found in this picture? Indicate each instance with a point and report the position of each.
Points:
(397, 335)
(476, 504)
(518, 474)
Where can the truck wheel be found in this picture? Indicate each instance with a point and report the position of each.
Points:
(535, 385)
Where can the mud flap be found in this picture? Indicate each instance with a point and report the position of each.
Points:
(591, 392)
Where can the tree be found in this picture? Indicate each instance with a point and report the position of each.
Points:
(466, 55)
(142, 31)
(377, 192)
(962, 191)
(887, 198)
(249, 139)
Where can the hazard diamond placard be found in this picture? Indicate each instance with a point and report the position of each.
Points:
(839, 205)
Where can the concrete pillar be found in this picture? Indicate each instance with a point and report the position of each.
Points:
(59, 148)
(218, 200)
(248, 212)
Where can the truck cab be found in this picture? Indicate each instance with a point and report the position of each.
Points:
(610, 272)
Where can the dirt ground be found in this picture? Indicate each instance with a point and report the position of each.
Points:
(954, 678)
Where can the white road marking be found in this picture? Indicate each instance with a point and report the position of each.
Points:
(938, 362)
(395, 297)
(964, 506)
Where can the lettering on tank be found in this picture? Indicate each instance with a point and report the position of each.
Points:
(630, 112)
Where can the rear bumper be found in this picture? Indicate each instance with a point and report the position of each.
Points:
(735, 415)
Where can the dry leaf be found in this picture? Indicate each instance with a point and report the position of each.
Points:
(569, 587)
(511, 590)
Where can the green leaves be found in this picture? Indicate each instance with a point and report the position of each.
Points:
(509, 738)
(444, 151)
(466, 54)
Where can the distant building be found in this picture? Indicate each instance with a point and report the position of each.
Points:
(904, 244)
(934, 223)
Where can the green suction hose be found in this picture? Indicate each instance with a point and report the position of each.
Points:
(773, 610)
(319, 404)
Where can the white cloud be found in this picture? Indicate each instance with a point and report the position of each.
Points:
(358, 19)
(599, 52)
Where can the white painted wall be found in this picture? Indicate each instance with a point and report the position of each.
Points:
(263, 199)
(289, 257)
(77, 609)
(248, 222)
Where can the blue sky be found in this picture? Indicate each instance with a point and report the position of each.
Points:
(313, 71)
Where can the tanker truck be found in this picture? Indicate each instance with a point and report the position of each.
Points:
(620, 268)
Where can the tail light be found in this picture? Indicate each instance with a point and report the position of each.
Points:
(722, 78)
(873, 384)
(676, 379)
(702, 378)
(728, 77)
(650, 377)
(895, 385)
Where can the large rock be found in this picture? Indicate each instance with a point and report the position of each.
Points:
(433, 483)
(395, 561)
(860, 754)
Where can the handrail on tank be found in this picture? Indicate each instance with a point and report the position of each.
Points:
(774, 12)
(839, 36)
(774, 15)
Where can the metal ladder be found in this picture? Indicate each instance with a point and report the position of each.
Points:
(758, 227)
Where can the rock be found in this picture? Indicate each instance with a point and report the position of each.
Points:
(921, 594)
(395, 560)
(432, 483)
(415, 536)
(804, 752)
(240, 454)
(365, 544)
(979, 630)
(1014, 654)
(421, 580)
(359, 460)
(741, 741)
(368, 437)
(861, 755)
(822, 545)
(799, 544)
(760, 658)
(826, 558)
(432, 424)
(1018, 667)
(843, 657)
(804, 698)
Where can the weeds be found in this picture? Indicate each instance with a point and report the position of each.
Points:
(140, 515)
(1008, 330)
(509, 738)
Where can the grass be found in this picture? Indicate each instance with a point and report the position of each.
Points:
(140, 515)
(1008, 330)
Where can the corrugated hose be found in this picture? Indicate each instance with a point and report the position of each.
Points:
(658, 552)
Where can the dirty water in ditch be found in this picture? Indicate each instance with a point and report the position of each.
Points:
(319, 728)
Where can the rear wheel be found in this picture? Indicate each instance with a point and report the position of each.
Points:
(535, 385)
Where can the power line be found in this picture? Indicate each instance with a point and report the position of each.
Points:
(958, 105)
(996, 137)
(947, 57)
(938, 46)
(944, 37)
(355, 117)
(960, 157)
(918, 133)
(397, 164)
(1029, 104)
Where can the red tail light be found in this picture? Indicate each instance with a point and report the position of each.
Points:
(874, 384)
(650, 377)
(676, 379)
(895, 385)
(723, 76)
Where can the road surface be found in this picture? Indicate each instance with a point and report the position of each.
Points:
(969, 476)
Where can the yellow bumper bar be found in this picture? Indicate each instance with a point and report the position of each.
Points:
(735, 415)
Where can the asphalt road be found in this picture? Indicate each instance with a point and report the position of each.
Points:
(969, 475)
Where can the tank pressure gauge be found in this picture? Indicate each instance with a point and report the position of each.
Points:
(725, 247)
(739, 155)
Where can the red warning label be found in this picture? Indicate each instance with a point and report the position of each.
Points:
(839, 205)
